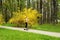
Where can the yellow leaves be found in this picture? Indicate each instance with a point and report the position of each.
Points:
(1, 19)
(12, 20)
(30, 10)
(24, 10)
(19, 16)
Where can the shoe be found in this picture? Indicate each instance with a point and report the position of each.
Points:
(26, 29)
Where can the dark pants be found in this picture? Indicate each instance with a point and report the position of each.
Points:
(26, 25)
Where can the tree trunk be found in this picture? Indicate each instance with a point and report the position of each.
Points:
(54, 14)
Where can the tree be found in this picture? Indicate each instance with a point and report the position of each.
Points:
(6, 9)
(28, 3)
(54, 11)
(33, 4)
(41, 10)
(0, 4)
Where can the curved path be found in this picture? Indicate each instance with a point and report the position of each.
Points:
(34, 31)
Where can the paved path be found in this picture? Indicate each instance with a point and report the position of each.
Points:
(34, 31)
(58, 20)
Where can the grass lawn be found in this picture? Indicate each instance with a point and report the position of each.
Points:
(47, 27)
(6, 34)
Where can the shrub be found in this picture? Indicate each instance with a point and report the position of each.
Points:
(19, 17)
(1, 19)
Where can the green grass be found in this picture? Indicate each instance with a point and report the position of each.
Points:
(8, 24)
(47, 27)
(6, 34)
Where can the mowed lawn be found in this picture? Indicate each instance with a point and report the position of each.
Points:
(6, 34)
(47, 27)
